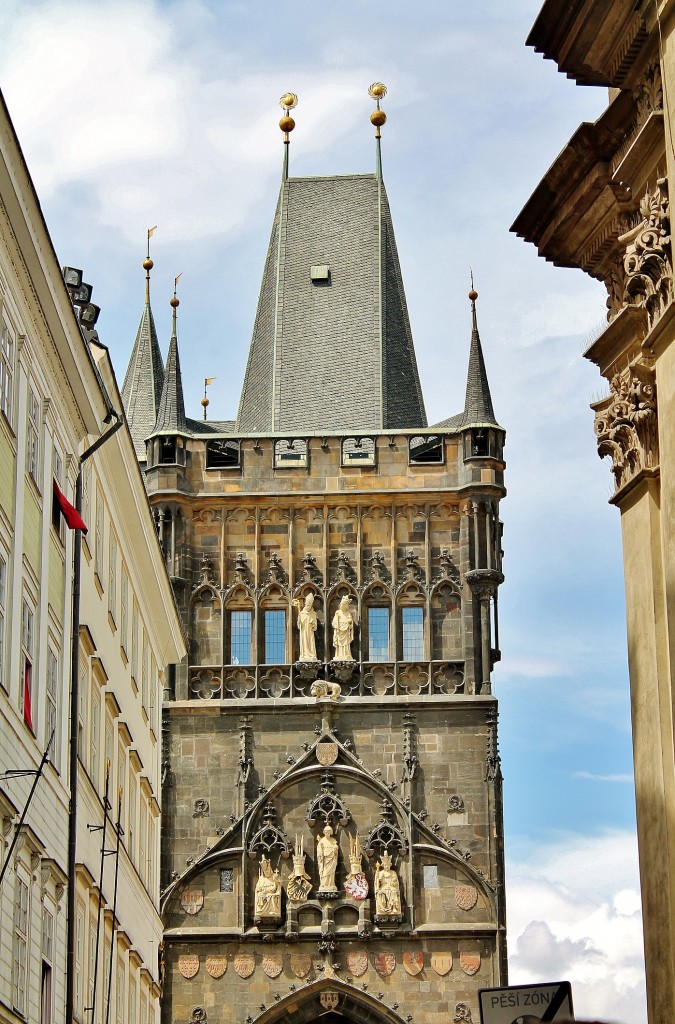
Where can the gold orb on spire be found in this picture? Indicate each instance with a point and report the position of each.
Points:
(378, 118)
(174, 301)
(288, 101)
(473, 294)
(377, 90)
(147, 263)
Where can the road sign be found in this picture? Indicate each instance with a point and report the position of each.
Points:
(527, 1004)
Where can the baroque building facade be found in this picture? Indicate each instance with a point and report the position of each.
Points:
(75, 940)
(604, 207)
(332, 810)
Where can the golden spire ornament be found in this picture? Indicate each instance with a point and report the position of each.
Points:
(287, 103)
(378, 91)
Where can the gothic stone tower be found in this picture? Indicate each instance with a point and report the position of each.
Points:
(375, 720)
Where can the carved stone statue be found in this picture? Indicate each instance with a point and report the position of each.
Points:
(307, 629)
(356, 884)
(299, 884)
(387, 889)
(343, 630)
(268, 891)
(327, 857)
(323, 689)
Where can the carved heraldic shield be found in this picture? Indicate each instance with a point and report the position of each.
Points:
(329, 1000)
(272, 964)
(188, 965)
(357, 962)
(326, 753)
(192, 900)
(384, 963)
(244, 964)
(469, 962)
(466, 896)
(413, 962)
(441, 963)
(216, 966)
(301, 964)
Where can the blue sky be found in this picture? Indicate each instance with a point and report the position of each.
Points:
(143, 113)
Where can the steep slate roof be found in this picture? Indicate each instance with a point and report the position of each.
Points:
(336, 354)
(171, 413)
(142, 388)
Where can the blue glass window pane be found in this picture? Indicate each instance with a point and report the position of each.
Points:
(240, 638)
(275, 638)
(413, 634)
(378, 634)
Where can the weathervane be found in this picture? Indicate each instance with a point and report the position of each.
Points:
(378, 91)
(175, 302)
(287, 102)
(148, 265)
(205, 401)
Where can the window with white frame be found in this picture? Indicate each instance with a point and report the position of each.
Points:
(95, 738)
(52, 705)
(7, 353)
(112, 576)
(82, 691)
(144, 1009)
(58, 521)
(134, 642)
(131, 827)
(98, 543)
(154, 697)
(142, 838)
(120, 992)
(124, 611)
(86, 493)
(3, 619)
(109, 743)
(20, 951)
(92, 958)
(33, 437)
(79, 961)
(106, 977)
(26, 695)
(121, 780)
(46, 996)
(132, 1000)
(151, 851)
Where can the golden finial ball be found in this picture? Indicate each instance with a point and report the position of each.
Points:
(175, 302)
(377, 90)
(473, 294)
(205, 402)
(148, 264)
(288, 101)
(378, 118)
(287, 124)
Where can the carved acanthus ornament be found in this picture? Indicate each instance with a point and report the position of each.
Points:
(648, 273)
(626, 423)
(649, 94)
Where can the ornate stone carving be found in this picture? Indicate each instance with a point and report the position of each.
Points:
(192, 900)
(441, 963)
(357, 962)
(384, 963)
(269, 836)
(387, 891)
(240, 568)
(198, 1015)
(626, 423)
(343, 630)
(462, 1014)
(307, 628)
(301, 964)
(201, 808)
(299, 884)
(327, 804)
(244, 964)
(648, 279)
(326, 753)
(356, 884)
(410, 759)
(327, 851)
(206, 576)
(272, 964)
(386, 835)
(455, 804)
(470, 963)
(649, 93)
(267, 903)
(329, 1000)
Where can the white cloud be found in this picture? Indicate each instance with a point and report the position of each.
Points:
(603, 778)
(573, 911)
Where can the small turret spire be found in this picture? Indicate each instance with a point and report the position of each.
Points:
(171, 412)
(287, 102)
(478, 403)
(378, 91)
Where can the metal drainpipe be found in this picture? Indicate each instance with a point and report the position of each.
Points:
(74, 700)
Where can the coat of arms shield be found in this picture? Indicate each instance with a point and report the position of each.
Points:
(413, 961)
(329, 1000)
(357, 962)
(441, 963)
(356, 886)
(384, 963)
(466, 896)
(216, 966)
(244, 964)
(192, 900)
(326, 753)
(188, 965)
(301, 964)
(272, 964)
(469, 962)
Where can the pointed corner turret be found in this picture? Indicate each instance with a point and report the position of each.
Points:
(144, 379)
(478, 410)
(171, 412)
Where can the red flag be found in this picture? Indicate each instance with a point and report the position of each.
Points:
(27, 682)
(70, 513)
